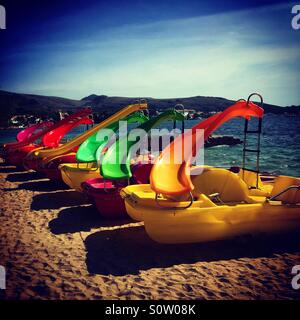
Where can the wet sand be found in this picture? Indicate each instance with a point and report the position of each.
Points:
(55, 245)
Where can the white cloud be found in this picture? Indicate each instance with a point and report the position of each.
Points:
(230, 55)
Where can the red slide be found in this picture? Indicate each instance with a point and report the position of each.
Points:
(29, 131)
(79, 114)
(16, 152)
(53, 138)
(171, 173)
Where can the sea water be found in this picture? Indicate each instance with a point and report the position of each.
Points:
(280, 143)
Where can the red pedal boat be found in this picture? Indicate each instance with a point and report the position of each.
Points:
(105, 194)
(50, 139)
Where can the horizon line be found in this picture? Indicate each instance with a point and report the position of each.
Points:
(140, 97)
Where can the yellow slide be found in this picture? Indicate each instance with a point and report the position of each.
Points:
(44, 155)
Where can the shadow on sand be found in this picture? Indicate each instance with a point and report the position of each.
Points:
(10, 169)
(58, 199)
(84, 218)
(41, 185)
(129, 250)
(26, 176)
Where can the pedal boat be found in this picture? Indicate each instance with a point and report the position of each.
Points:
(51, 136)
(105, 194)
(85, 165)
(185, 205)
(41, 158)
(223, 207)
(115, 175)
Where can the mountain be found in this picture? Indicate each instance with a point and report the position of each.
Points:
(90, 97)
(198, 103)
(18, 103)
(47, 106)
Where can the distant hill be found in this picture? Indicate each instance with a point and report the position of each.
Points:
(199, 103)
(45, 106)
(16, 103)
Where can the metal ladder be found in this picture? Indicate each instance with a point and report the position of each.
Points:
(257, 150)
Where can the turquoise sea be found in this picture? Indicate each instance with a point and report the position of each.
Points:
(280, 144)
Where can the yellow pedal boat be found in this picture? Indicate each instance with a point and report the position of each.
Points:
(73, 174)
(223, 207)
(184, 204)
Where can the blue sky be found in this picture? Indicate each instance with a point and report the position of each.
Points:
(152, 48)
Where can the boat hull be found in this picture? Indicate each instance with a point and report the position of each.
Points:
(217, 210)
(210, 224)
(105, 194)
(74, 174)
(16, 157)
(106, 197)
(51, 169)
(213, 223)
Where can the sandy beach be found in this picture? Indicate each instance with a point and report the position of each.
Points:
(54, 245)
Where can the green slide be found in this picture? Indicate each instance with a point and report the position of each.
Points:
(88, 150)
(111, 168)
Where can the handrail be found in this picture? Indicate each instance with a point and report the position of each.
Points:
(258, 95)
(175, 208)
(284, 191)
(182, 122)
(179, 105)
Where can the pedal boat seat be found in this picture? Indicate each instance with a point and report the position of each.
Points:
(291, 196)
(250, 177)
(231, 189)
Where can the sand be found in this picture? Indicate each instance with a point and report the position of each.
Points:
(55, 245)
